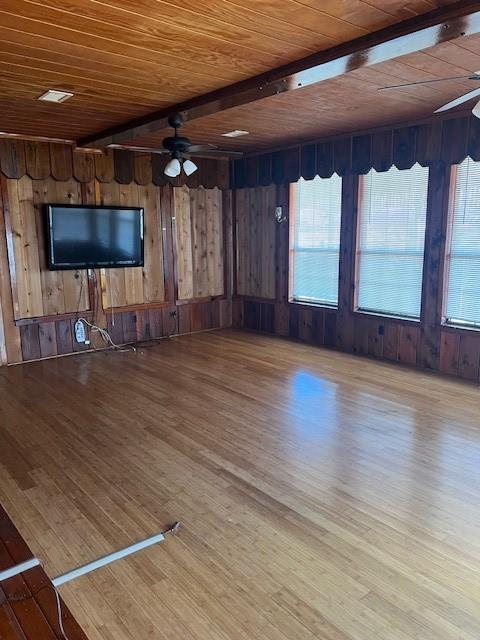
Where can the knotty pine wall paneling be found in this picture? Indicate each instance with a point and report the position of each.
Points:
(262, 306)
(38, 307)
(199, 242)
(136, 285)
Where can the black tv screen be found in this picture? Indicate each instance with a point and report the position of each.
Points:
(82, 237)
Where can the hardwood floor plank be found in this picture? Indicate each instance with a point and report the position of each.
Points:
(321, 495)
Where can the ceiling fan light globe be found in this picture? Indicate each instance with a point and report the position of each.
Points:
(189, 167)
(173, 168)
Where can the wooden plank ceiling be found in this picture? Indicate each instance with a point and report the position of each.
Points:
(126, 58)
(350, 102)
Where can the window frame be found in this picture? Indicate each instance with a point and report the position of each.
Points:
(366, 313)
(446, 262)
(293, 198)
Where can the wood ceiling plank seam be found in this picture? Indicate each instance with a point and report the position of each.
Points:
(122, 48)
(117, 55)
(447, 59)
(147, 77)
(27, 122)
(80, 92)
(35, 132)
(221, 8)
(295, 13)
(428, 58)
(89, 25)
(24, 92)
(407, 10)
(84, 80)
(72, 117)
(467, 45)
(391, 79)
(421, 62)
(384, 10)
(359, 3)
(249, 17)
(362, 30)
(194, 26)
(121, 81)
(388, 71)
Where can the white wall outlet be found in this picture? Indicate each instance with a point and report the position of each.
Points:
(80, 336)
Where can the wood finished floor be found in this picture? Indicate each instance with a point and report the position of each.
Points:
(322, 495)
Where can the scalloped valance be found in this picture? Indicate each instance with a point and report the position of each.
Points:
(40, 160)
(449, 141)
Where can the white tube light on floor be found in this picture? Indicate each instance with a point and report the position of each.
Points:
(109, 558)
(90, 566)
(19, 568)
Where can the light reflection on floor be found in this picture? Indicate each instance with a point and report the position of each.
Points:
(312, 399)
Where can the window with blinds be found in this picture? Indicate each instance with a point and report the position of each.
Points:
(463, 249)
(315, 240)
(391, 239)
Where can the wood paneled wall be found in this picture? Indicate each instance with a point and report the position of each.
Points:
(262, 306)
(38, 307)
(256, 269)
(36, 290)
(199, 242)
(136, 285)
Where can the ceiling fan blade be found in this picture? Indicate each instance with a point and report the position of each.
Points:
(412, 84)
(216, 152)
(460, 100)
(127, 147)
(193, 148)
(160, 152)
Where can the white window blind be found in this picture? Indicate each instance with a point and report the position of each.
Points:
(316, 240)
(391, 239)
(463, 255)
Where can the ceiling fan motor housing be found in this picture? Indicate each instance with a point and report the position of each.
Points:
(177, 144)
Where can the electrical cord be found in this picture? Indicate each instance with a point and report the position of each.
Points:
(79, 301)
(171, 530)
(94, 328)
(58, 603)
(106, 336)
(59, 613)
(174, 325)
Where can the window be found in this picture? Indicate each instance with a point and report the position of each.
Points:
(463, 248)
(391, 239)
(315, 248)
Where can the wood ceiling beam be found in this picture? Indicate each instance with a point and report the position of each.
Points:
(409, 36)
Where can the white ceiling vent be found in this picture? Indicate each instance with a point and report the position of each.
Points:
(235, 134)
(52, 95)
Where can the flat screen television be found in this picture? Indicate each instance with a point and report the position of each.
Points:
(83, 237)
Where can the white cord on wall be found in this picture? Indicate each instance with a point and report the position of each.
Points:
(105, 336)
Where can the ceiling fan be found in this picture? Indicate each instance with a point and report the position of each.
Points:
(475, 93)
(180, 147)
